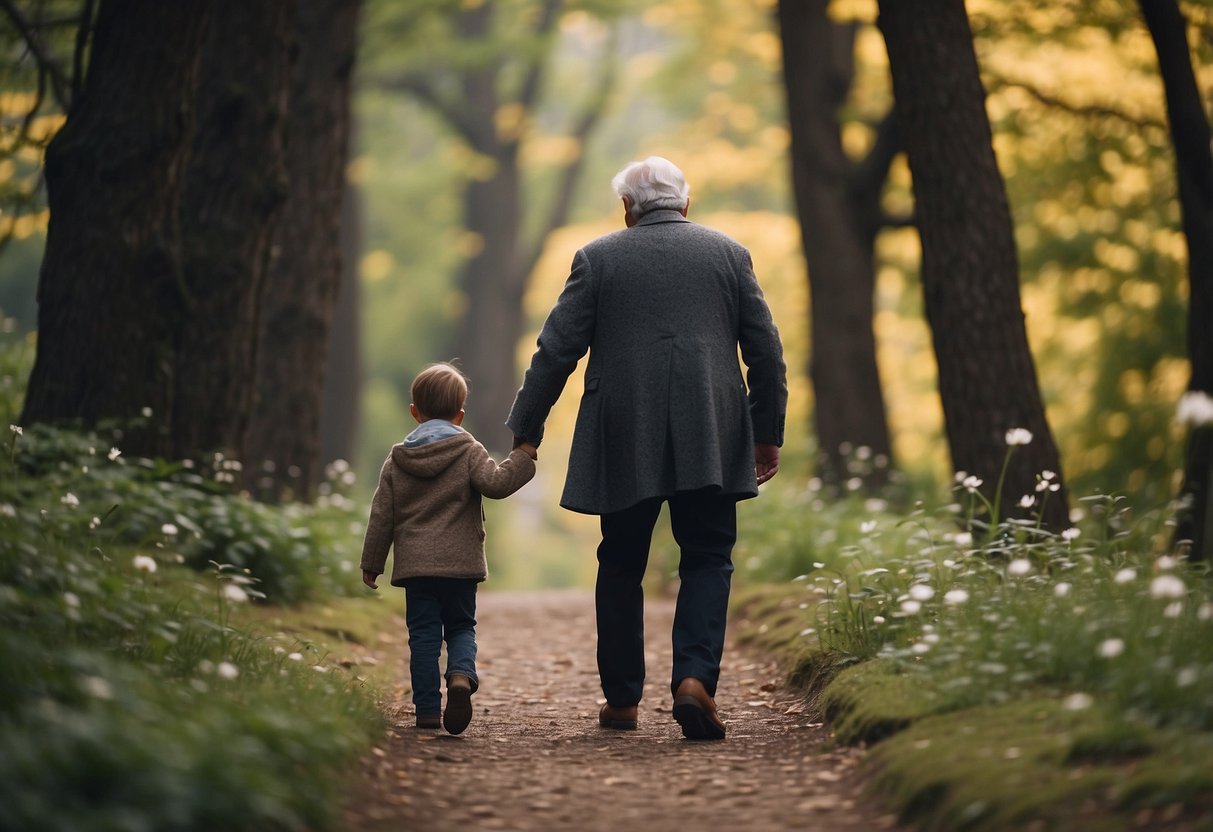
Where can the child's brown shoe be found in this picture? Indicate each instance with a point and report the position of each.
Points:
(458, 711)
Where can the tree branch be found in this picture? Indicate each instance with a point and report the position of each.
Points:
(423, 90)
(909, 220)
(42, 55)
(1097, 111)
(84, 28)
(534, 75)
(590, 117)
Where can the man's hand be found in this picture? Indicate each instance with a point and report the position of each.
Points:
(529, 449)
(766, 461)
(368, 578)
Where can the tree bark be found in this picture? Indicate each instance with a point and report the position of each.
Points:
(111, 292)
(340, 406)
(970, 272)
(1190, 134)
(840, 213)
(235, 190)
(283, 444)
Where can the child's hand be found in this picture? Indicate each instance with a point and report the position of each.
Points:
(530, 450)
(368, 578)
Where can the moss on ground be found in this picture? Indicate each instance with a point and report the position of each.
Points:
(1029, 764)
(1035, 764)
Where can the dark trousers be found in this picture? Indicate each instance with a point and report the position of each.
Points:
(437, 610)
(705, 528)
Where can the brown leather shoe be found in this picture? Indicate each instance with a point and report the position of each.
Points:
(695, 711)
(620, 719)
(458, 711)
(429, 721)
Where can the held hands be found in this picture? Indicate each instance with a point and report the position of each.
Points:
(368, 578)
(528, 448)
(766, 461)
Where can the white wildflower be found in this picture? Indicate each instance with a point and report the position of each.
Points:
(1205, 612)
(922, 592)
(96, 687)
(1071, 533)
(234, 593)
(144, 563)
(319, 668)
(971, 484)
(867, 526)
(920, 647)
(1062, 589)
(878, 619)
(1186, 677)
(1027, 501)
(1173, 610)
(1019, 566)
(1077, 702)
(1125, 576)
(1167, 586)
(961, 476)
(1195, 409)
(7, 510)
(1019, 436)
(295, 657)
(1048, 475)
(70, 500)
(1166, 562)
(1111, 648)
(964, 539)
(911, 607)
(955, 596)
(114, 454)
(147, 412)
(169, 530)
(94, 523)
(72, 600)
(227, 670)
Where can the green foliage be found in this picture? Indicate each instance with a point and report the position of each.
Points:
(131, 702)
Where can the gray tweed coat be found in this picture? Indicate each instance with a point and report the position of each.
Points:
(662, 308)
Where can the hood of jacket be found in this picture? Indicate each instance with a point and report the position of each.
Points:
(430, 449)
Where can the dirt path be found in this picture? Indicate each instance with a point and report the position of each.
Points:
(534, 756)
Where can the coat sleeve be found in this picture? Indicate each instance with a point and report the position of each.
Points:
(564, 339)
(499, 481)
(380, 527)
(762, 352)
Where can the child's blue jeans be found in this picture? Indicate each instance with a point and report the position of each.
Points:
(439, 609)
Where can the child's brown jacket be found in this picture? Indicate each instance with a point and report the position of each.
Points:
(428, 507)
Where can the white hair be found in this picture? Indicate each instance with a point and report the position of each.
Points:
(652, 184)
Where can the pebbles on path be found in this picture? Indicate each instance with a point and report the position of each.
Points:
(534, 757)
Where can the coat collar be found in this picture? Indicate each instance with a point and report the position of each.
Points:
(660, 215)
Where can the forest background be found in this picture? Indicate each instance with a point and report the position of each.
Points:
(1080, 132)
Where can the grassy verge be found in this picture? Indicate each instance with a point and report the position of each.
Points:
(143, 683)
(1006, 679)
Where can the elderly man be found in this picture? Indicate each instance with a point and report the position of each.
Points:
(662, 308)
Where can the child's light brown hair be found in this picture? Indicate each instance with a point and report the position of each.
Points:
(439, 391)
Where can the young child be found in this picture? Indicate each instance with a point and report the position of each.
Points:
(428, 507)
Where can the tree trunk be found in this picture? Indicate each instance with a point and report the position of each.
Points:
(111, 294)
(283, 449)
(970, 272)
(235, 190)
(839, 215)
(341, 404)
(1190, 135)
(493, 321)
